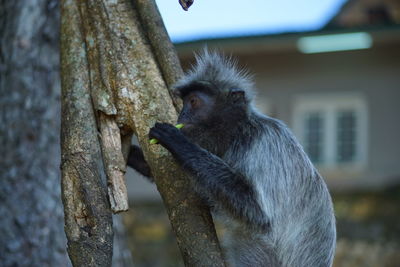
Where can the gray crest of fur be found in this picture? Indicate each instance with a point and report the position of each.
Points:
(220, 71)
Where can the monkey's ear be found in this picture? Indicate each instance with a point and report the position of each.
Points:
(237, 95)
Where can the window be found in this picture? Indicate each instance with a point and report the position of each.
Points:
(346, 136)
(332, 128)
(313, 136)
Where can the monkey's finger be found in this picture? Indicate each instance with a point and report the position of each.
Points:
(155, 135)
(160, 126)
(159, 132)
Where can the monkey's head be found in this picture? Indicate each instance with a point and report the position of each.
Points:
(216, 96)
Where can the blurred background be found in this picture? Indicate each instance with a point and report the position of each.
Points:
(330, 70)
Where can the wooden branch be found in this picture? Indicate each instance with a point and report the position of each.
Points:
(128, 91)
(162, 46)
(88, 218)
(114, 163)
(190, 218)
(102, 80)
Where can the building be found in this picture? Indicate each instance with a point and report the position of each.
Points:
(342, 105)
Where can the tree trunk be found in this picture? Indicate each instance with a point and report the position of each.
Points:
(88, 217)
(31, 228)
(190, 218)
(112, 82)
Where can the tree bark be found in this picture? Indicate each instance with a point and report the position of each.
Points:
(107, 55)
(88, 217)
(31, 228)
(188, 215)
(161, 45)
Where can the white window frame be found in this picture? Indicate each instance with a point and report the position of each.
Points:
(329, 105)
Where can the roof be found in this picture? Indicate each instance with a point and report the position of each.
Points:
(381, 29)
(287, 42)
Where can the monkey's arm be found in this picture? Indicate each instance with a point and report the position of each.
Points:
(217, 179)
(136, 161)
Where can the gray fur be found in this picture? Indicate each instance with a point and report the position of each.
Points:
(294, 200)
(222, 72)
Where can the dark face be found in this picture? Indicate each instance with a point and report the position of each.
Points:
(199, 118)
(197, 109)
(210, 118)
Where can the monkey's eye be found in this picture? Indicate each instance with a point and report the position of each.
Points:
(194, 102)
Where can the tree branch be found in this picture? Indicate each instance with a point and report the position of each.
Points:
(88, 219)
(128, 90)
(190, 218)
(99, 45)
(162, 46)
(114, 162)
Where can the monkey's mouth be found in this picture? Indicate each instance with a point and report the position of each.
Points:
(185, 121)
(186, 126)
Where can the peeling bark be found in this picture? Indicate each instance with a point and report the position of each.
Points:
(112, 80)
(88, 219)
(114, 162)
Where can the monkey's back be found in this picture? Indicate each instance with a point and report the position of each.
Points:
(292, 194)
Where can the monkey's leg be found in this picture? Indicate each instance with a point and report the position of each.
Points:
(213, 176)
(136, 161)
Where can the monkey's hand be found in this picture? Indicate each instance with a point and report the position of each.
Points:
(169, 137)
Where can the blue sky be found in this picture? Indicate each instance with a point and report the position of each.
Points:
(223, 18)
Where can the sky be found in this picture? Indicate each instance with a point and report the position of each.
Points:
(223, 18)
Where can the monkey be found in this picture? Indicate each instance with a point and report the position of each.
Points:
(249, 168)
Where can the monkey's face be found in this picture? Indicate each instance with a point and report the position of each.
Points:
(210, 117)
(197, 109)
(209, 109)
(200, 115)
